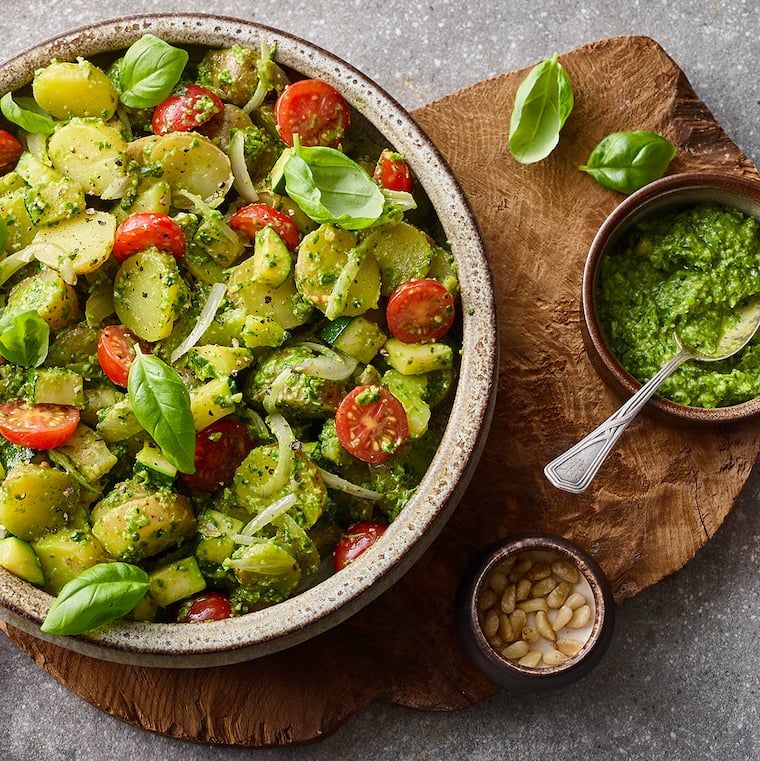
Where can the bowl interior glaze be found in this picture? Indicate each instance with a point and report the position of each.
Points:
(339, 596)
(670, 193)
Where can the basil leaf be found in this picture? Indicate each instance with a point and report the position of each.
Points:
(24, 338)
(161, 403)
(626, 161)
(100, 594)
(543, 102)
(149, 71)
(331, 188)
(31, 121)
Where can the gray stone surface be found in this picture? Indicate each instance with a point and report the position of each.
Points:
(681, 679)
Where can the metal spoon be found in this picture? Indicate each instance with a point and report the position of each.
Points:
(574, 470)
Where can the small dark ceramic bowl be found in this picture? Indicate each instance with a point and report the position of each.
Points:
(670, 193)
(479, 588)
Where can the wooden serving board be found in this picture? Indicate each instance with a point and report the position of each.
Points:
(661, 495)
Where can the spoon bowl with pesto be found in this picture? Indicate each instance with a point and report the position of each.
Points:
(674, 262)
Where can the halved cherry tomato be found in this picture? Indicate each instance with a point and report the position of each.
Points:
(314, 110)
(249, 219)
(145, 229)
(354, 541)
(37, 426)
(10, 151)
(206, 606)
(371, 423)
(420, 311)
(189, 109)
(116, 352)
(392, 172)
(219, 449)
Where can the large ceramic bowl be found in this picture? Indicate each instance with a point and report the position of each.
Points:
(342, 594)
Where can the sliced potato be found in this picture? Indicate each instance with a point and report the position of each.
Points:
(91, 153)
(65, 90)
(85, 241)
(49, 295)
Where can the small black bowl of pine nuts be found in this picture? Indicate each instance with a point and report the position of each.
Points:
(535, 612)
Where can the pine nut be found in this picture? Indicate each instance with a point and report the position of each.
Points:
(522, 568)
(497, 582)
(539, 570)
(508, 599)
(575, 600)
(557, 597)
(516, 649)
(522, 589)
(581, 616)
(544, 627)
(566, 571)
(564, 614)
(490, 623)
(543, 587)
(531, 659)
(518, 618)
(534, 604)
(554, 657)
(530, 635)
(505, 628)
(569, 647)
(487, 599)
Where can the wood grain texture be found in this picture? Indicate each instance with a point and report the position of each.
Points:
(661, 495)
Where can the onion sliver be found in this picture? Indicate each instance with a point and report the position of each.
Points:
(330, 365)
(336, 482)
(242, 178)
(215, 297)
(265, 517)
(284, 435)
(14, 262)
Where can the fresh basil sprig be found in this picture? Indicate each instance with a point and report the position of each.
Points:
(24, 338)
(149, 71)
(626, 161)
(332, 188)
(31, 121)
(543, 102)
(161, 404)
(100, 594)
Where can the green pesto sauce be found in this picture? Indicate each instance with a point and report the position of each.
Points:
(684, 270)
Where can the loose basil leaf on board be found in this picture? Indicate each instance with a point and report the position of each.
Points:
(31, 121)
(24, 338)
(543, 102)
(331, 188)
(161, 404)
(100, 594)
(626, 161)
(149, 71)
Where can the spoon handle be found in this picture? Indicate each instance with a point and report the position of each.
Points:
(574, 470)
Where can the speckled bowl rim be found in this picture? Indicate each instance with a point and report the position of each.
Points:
(343, 594)
(669, 192)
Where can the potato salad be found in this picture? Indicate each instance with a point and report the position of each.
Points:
(227, 320)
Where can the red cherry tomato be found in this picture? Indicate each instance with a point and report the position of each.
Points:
(371, 423)
(189, 109)
(315, 110)
(219, 449)
(10, 151)
(354, 541)
(248, 220)
(420, 311)
(37, 426)
(145, 229)
(393, 173)
(116, 352)
(206, 606)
